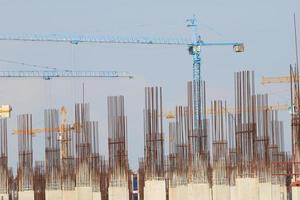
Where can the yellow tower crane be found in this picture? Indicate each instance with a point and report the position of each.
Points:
(62, 130)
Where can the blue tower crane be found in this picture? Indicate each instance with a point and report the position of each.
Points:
(194, 44)
(195, 50)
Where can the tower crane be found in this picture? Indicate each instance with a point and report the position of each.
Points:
(194, 45)
(61, 130)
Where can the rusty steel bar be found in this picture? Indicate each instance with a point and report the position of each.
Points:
(117, 141)
(153, 134)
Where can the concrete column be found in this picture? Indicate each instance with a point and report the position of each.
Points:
(221, 192)
(276, 191)
(172, 193)
(247, 188)
(68, 194)
(295, 193)
(26, 195)
(118, 193)
(265, 191)
(198, 191)
(85, 193)
(4, 197)
(96, 195)
(155, 189)
(233, 192)
(283, 195)
(53, 194)
(181, 192)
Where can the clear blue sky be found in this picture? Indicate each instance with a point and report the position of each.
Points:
(266, 28)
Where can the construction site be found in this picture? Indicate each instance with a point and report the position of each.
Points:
(205, 149)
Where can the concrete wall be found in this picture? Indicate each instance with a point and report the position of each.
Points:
(198, 191)
(221, 192)
(118, 193)
(96, 195)
(26, 195)
(68, 194)
(155, 189)
(3, 196)
(53, 194)
(247, 189)
(265, 191)
(85, 193)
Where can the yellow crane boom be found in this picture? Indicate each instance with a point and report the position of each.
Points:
(280, 107)
(275, 80)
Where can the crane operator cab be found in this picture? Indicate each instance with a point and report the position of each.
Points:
(238, 48)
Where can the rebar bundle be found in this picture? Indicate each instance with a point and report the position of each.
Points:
(198, 146)
(153, 134)
(25, 166)
(295, 102)
(171, 164)
(261, 120)
(245, 129)
(68, 176)
(177, 162)
(141, 174)
(83, 145)
(95, 160)
(276, 149)
(52, 148)
(104, 178)
(3, 157)
(117, 141)
(39, 180)
(219, 121)
(232, 162)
